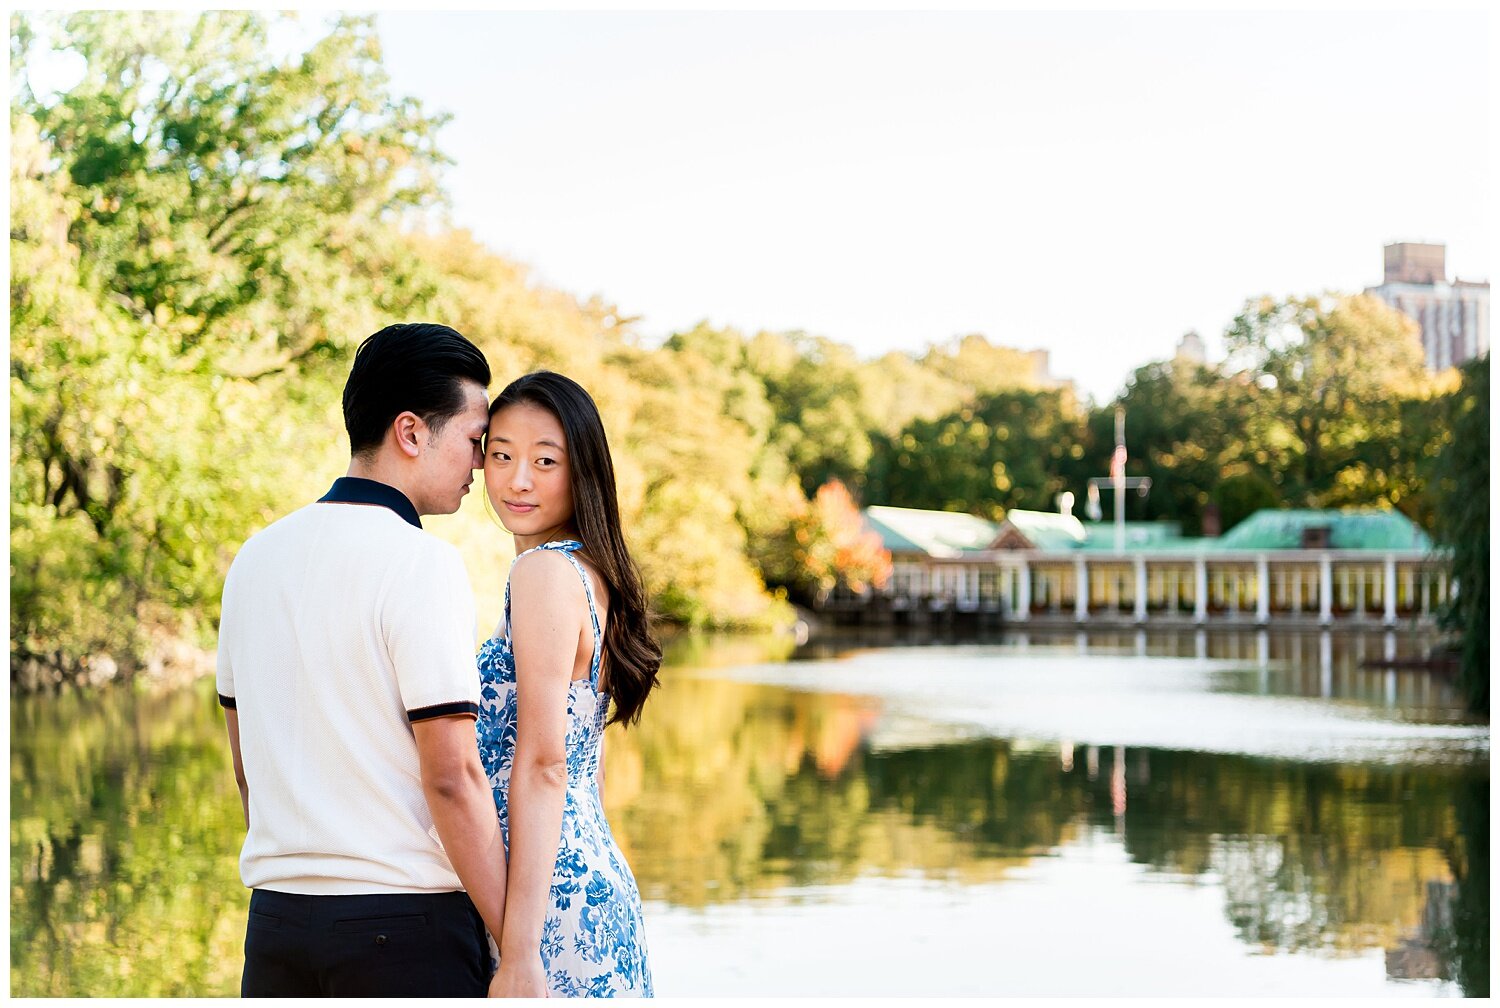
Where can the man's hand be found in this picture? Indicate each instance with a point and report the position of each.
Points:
(520, 981)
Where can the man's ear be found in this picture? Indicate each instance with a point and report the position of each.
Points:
(408, 428)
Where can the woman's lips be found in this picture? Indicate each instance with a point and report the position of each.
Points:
(519, 508)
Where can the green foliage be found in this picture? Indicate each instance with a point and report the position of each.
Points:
(1463, 526)
(1324, 402)
(1241, 495)
(1328, 375)
(201, 231)
(821, 425)
(1185, 429)
(1012, 449)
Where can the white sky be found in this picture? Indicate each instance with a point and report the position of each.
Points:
(1092, 183)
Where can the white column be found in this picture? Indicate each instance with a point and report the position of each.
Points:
(1140, 589)
(1297, 576)
(1200, 590)
(1023, 591)
(1325, 663)
(1390, 591)
(1081, 596)
(1262, 591)
(1263, 660)
(1325, 589)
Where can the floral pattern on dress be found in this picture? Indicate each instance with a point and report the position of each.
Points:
(593, 940)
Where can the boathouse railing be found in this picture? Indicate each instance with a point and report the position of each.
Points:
(1258, 588)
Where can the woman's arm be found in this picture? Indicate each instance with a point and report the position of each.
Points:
(548, 610)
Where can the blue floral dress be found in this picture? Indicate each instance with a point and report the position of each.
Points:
(593, 942)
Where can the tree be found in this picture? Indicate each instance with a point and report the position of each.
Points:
(982, 368)
(822, 424)
(812, 547)
(206, 231)
(1463, 526)
(1185, 428)
(1012, 449)
(1329, 373)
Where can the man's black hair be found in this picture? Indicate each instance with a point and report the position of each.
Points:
(415, 366)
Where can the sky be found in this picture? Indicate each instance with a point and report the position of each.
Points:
(1090, 183)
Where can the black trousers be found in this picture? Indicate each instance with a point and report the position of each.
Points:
(376, 944)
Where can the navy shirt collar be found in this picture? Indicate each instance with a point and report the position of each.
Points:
(356, 490)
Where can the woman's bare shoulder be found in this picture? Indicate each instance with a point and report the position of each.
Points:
(544, 575)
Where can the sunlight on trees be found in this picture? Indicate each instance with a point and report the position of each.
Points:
(205, 224)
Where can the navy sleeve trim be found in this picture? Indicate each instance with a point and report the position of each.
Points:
(226, 701)
(463, 707)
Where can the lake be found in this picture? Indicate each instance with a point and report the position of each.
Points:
(1126, 813)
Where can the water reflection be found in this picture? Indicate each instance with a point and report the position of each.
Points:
(744, 799)
(1312, 856)
(125, 832)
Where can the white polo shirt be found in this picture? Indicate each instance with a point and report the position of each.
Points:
(343, 623)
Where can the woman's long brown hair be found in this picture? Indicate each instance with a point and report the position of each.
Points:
(631, 650)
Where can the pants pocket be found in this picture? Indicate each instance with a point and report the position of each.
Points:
(399, 922)
(264, 921)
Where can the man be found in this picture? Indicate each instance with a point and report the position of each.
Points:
(347, 675)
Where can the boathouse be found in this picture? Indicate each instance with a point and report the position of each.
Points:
(1311, 567)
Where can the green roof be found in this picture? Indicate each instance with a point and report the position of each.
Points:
(936, 533)
(1047, 530)
(1139, 535)
(952, 534)
(1372, 529)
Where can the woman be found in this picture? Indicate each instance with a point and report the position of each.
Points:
(575, 640)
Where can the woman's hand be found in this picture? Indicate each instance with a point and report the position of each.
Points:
(520, 977)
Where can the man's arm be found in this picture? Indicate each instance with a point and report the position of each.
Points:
(463, 809)
(232, 724)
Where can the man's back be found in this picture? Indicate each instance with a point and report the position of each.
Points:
(342, 624)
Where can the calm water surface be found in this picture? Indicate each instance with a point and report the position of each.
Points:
(1233, 814)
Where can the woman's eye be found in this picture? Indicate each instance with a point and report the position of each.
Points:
(545, 462)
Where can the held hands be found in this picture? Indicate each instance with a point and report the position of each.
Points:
(519, 977)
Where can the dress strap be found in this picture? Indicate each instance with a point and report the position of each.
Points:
(567, 547)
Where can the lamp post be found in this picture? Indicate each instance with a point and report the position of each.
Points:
(1118, 482)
